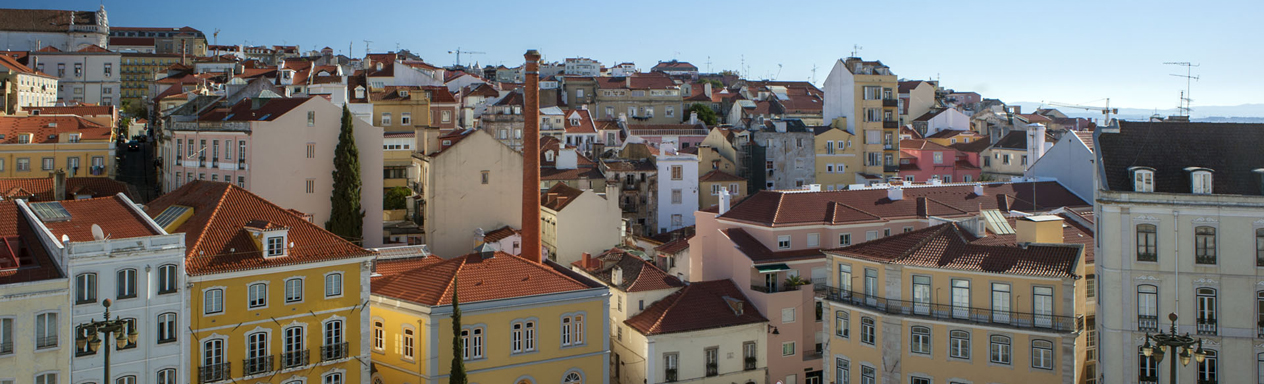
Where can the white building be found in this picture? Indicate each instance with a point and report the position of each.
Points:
(624, 70)
(132, 262)
(90, 75)
(582, 66)
(677, 187)
(1181, 213)
(34, 305)
(33, 29)
(1070, 161)
(31, 88)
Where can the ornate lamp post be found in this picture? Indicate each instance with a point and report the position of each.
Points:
(107, 327)
(1173, 341)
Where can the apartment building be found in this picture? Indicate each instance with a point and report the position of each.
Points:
(645, 98)
(677, 188)
(789, 150)
(550, 325)
(837, 155)
(638, 184)
(36, 340)
(865, 92)
(916, 98)
(906, 308)
(567, 212)
(281, 149)
(273, 297)
(173, 41)
(36, 145)
(582, 66)
(923, 161)
(21, 87)
(473, 182)
(88, 75)
(1181, 210)
(138, 72)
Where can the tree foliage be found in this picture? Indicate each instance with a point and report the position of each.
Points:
(346, 218)
(705, 114)
(457, 374)
(396, 198)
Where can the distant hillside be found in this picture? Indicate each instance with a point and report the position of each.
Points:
(1245, 113)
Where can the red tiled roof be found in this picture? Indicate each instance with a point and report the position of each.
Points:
(16, 67)
(429, 281)
(923, 145)
(639, 275)
(1072, 233)
(93, 48)
(440, 94)
(719, 176)
(674, 246)
(32, 260)
(217, 241)
(698, 306)
(950, 133)
(639, 81)
(559, 196)
(946, 246)
(975, 146)
(1087, 138)
(113, 214)
(585, 122)
(757, 252)
(244, 110)
(799, 208)
(80, 110)
(41, 188)
(501, 234)
(38, 126)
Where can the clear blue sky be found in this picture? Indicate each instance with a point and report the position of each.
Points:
(1068, 51)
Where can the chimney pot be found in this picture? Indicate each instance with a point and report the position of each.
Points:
(895, 193)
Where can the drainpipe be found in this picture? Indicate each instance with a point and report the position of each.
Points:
(1176, 242)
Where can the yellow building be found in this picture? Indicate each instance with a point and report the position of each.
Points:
(35, 338)
(33, 146)
(866, 93)
(950, 137)
(711, 184)
(139, 70)
(274, 298)
(522, 322)
(950, 306)
(838, 157)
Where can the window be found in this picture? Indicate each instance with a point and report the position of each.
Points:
(1147, 308)
(961, 299)
(46, 378)
(959, 344)
(1259, 240)
(1259, 313)
(294, 290)
(1005, 159)
(256, 361)
(842, 371)
(1042, 305)
(677, 172)
(788, 315)
(166, 376)
(842, 324)
(406, 118)
(46, 163)
(572, 378)
(24, 163)
(472, 343)
(241, 181)
(409, 343)
(276, 245)
(167, 279)
(334, 347)
(886, 232)
(919, 380)
(379, 336)
(920, 343)
(866, 330)
(844, 239)
(1000, 350)
(446, 116)
(572, 330)
(515, 340)
(711, 356)
(126, 282)
(309, 186)
(1147, 242)
(1209, 369)
(1206, 311)
(671, 111)
(676, 196)
(333, 378)
(1201, 181)
(814, 239)
(1024, 160)
(1205, 245)
(258, 294)
(1147, 367)
(1143, 181)
(671, 366)
(921, 295)
(46, 330)
(1090, 286)
(529, 336)
(294, 354)
(213, 301)
(871, 284)
(78, 69)
(783, 242)
(241, 150)
(311, 118)
(386, 119)
(333, 285)
(166, 327)
(787, 348)
(86, 288)
(1042, 354)
(311, 150)
(6, 336)
(844, 278)
(1000, 302)
(867, 375)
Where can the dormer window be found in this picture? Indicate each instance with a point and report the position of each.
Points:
(548, 155)
(24, 138)
(276, 246)
(359, 92)
(1142, 179)
(271, 238)
(403, 93)
(574, 122)
(1200, 181)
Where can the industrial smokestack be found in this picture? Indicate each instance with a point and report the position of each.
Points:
(531, 159)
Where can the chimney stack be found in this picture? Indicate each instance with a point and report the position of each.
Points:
(895, 193)
(693, 118)
(59, 185)
(531, 159)
(724, 201)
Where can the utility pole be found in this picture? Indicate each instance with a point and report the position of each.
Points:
(1189, 78)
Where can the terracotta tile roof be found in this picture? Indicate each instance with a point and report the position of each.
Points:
(826, 207)
(41, 188)
(501, 234)
(38, 126)
(639, 81)
(79, 110)
(1087, 138)
(698, 306)
(975, 146)
(429, 281)
(44, 20)
(481, 89)
(22, 258)
(946, 246)
(15, 67)
(757, 252)
(571, 174)
(217, 241)
(906, 86)
(453, 138)
(922, 145)
(673, 65)
(513, 98)
(675, 246)
(1230, 150)
(440, 94)
(244, 110)
(718, 176)
(93, 48)
(620, 165)
(639, 275)
(559, 196)
(113, 214)
(1072, 233)
(585, 122)
(950, 133)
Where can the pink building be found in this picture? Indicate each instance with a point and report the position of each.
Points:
(773, 235)
(923, 160)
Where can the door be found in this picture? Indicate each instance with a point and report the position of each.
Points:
(871, 286)
(1042, 305)
(921, 295)
(1000, 302)
(961, 299)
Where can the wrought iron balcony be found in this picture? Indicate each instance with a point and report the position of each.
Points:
(214, 372)
(773, 289)
(1206, 326)
(294, 359)
(256, 365)
(713, 369)
(890, 124)
(750, 363)
(890, 102)
(948, 312)
(333, 351)
(1147, 323)
(6, 348)
(1146, 379)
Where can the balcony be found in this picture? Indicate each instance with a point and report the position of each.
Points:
(713, 369)
(946, 312)
(890, 102)
(214, 372)
(1205, 259)
(333, 351)
(670, 374)
(256, 365)
(1147, 323)
(6, 348)
(294, 359)
(773, 289)
(1147, 379)
(890, 124)
(750, 363)
(1206, 326)
(891, 169)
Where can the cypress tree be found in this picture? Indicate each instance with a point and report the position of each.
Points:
(346, 218)
(457, 376)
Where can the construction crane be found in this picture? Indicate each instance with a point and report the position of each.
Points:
(1106, 112)
(458, 53)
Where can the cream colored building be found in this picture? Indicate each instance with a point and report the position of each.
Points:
(865, 92)
(473, 182)
(36, 340)
(577, 221)
(838, 157)
(941, 305)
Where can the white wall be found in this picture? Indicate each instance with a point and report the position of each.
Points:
(1069, 161)
(688, 185)
(95, 87)
(840, 96)
(950, 119)
(457, 202)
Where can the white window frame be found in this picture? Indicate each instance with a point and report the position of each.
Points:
(292, 296)
(337, 287)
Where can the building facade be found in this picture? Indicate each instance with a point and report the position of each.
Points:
(34, 146)
(33, 29)
(88, 75)
(677, 188)
(21, 86)
(865, 92)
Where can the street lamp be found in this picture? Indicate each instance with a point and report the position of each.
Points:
(88, 336)
(1173, 341)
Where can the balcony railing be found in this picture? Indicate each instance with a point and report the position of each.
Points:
(773, 289)
(256, 365)
(214, 372)
(1206, 326)
(333, 351)
(713, 369)
(890, 124)
(294, 359)
(890, 102)
(45, 342)
(1146, 379)
(6, 348)
(960, 314)
(891, 168)
(1205, 259)
(1147, 323)
(1147, 257)
(750, 363)
(671, 375)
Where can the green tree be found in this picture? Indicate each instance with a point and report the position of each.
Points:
(704, 113)
(346, 219)
(457, 376)
(396, 198)
(714, 83)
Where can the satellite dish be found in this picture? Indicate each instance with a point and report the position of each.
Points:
(97, 233)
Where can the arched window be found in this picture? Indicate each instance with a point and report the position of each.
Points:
(1042, 354)
(1147, 242)
(258, 295)
(166, 376)
(572, 378)
(920, 342)
(866, 330)
(1209, 369)
(959, 344)
(1147, 307)
(166, 279)
(842, 324)
(1000, 349)
(213, 301)
(1205, 245)
(86, 288)
(126, 285)
(125, 380)
(167, 327)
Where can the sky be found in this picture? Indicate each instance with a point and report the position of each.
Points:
(1068, 51)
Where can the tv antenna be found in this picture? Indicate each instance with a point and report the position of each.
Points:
(778, 77)
(366, 46)
(813, 73)
(855, 50)
(1189, 78)
(708, 64)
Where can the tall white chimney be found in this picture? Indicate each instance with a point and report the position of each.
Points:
(693, 118)
(1035, 142)
(725, 200)
(895, 193)
(978, 189)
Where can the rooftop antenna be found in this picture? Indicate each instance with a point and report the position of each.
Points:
(778, 77)
(366, 46)
(855, 50)
(708, 64)
(1189, 77)
(813, 73)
